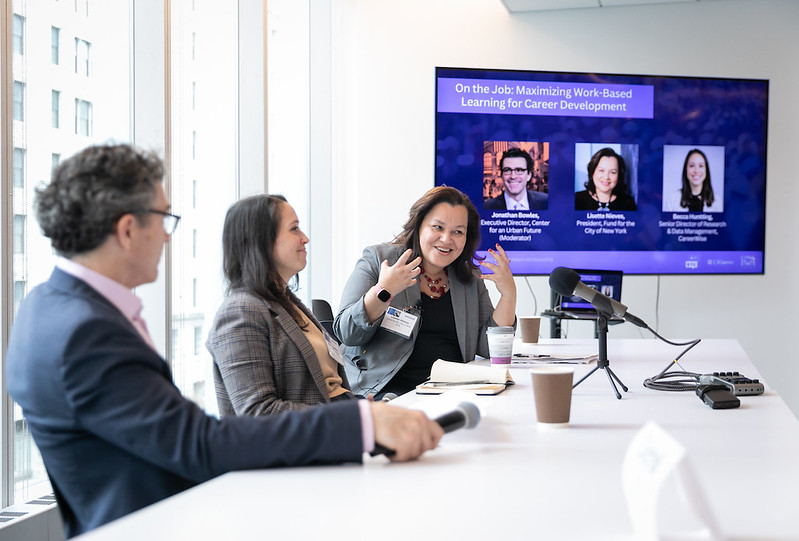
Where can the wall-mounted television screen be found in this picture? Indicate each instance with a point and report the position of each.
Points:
(646, 174)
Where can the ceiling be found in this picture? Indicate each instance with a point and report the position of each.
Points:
(515, 6)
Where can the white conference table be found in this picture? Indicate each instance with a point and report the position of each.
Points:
(508, 479)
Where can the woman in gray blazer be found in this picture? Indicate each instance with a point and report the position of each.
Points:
(421, 298)
(270, 354)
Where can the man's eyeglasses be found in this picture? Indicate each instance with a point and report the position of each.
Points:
(170, 220)
(517, 170)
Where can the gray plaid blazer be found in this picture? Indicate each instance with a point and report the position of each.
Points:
(262, 361)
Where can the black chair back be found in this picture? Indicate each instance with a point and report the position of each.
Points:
(324, 313)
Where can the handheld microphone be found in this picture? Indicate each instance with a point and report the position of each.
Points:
(567, 282)
(465, 415)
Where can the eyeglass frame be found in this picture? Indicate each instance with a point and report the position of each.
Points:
(170, 220)
(517, 170)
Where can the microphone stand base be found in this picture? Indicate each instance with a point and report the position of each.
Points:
(602, 361)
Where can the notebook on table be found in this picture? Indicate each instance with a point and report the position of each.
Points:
(607, 282)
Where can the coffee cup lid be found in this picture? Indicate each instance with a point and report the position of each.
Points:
(499, 330)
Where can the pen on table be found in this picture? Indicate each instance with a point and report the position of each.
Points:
(452, 383)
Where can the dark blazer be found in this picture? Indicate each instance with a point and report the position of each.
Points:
(584, 201)
(535, 200)
(263, 361)
(114, 431)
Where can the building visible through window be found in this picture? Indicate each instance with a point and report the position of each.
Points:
(38, 140)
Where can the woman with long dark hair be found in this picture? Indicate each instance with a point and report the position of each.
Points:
(270, 354)
(426, 278)
(606, 187)
(696, 191)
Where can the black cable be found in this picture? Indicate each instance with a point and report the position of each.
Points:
(678, 380)
(535, 299)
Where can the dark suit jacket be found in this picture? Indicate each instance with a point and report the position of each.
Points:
(114, 431)
(263, 361)
(584, 201)
(536, 201)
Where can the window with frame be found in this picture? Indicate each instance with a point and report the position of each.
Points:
(19, 168)
(19, 101)
(82, 6)
(36, 152)
(19, 233)
(55, 44)
(203, 40)
(107, 90)
(82, 56)
(19, 293)
(18, 34)
(198, 340)
(83, 117)
(55, 98)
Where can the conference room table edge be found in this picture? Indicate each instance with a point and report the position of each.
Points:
(511, 478)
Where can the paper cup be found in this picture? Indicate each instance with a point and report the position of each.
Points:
(530, 327)
(500, 344)
(552, 389)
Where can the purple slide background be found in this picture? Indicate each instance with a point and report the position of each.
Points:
(731, 113)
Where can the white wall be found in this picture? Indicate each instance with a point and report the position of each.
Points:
(383, 59)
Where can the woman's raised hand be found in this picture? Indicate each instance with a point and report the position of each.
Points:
(502, 277)
(401, 274)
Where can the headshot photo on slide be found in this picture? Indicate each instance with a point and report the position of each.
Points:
(515, 175)
(605, 176)
(688, 185)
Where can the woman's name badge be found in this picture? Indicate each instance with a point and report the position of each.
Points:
(399, 322)
(333, 348)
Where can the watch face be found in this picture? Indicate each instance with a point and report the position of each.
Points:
(384, 295)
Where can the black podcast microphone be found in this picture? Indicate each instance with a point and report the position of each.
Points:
(465, 415)
(566, 282)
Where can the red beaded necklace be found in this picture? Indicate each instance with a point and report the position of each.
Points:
(436, 291)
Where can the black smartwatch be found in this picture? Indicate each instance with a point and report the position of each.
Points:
(383, 295)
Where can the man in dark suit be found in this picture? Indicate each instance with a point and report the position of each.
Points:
(516, 166)
(114, 432)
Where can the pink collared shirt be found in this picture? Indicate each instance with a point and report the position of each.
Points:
(120, 296)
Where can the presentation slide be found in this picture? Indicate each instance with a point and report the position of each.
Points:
(646, 174)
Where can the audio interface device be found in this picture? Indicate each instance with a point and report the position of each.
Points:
(738, 384)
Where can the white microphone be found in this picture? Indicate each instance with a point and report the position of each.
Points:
(567, 282)
(465, 415)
